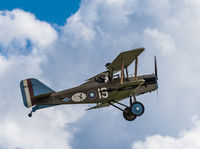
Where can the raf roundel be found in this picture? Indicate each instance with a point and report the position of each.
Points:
(92, 94)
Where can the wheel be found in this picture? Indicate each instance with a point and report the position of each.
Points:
(128, 115)
(30, 114)
(137, 108)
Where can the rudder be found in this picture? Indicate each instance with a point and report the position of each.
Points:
(30, 88)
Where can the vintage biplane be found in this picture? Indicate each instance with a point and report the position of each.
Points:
(105, 89)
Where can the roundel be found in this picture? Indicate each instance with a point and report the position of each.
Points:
(92, 94)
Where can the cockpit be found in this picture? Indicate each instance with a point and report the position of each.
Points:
(104, 79)
(100, 79)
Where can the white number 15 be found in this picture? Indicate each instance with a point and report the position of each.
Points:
(103, 93)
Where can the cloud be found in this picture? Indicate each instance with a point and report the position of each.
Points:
(48, 130)
(91, 37)
(159, 40)
(24, 44)
(166, 29)
(17, 27)
(186, 139)
(75, 24)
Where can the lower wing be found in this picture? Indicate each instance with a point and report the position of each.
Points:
(121, 92)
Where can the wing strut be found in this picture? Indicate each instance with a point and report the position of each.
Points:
(126, 73)
(136, 63)
(111, 75)
(122, 71)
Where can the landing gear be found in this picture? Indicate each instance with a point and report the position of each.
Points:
(130, 112)
(30, 114)
(137, 108)
(128, 115)
(33, 110)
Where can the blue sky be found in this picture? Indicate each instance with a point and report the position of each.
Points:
(48, 10)
(37, 42)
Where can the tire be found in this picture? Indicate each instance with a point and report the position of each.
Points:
(128, 115)
(30, 115)
(137, 108)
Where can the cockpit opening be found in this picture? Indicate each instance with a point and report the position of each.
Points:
(100, 79)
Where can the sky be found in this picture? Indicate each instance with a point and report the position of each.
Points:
(54, 12)
(63, 46)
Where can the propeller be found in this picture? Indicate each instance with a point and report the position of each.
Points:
(156, 74)
(155, 64)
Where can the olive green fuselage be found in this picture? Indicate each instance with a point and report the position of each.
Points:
(96, 92)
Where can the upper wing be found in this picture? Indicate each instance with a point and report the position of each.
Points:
(127, 56)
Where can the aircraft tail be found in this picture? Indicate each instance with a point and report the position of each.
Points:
(30, 88)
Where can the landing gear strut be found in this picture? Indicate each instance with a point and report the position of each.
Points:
(130, 112)
(33, 110)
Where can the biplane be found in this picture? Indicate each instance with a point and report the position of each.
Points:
(107, 88)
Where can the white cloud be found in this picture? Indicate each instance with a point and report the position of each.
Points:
(162, 41)
(78, 30)
(49, 128)
(100, 20)
(94, 35)
(165, 28)
(19, 26)
(186, 139)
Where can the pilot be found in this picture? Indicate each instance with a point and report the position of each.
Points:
(100, 79)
